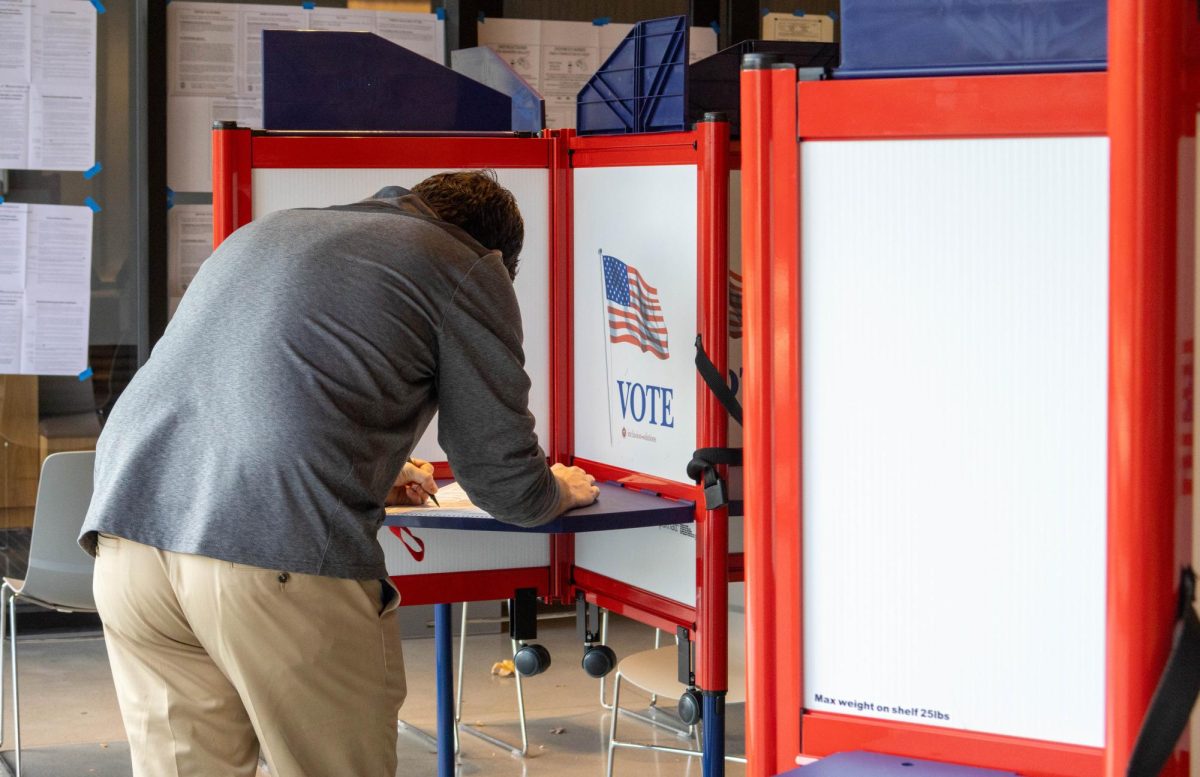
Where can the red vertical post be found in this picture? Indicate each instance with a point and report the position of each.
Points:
(562, 546)
(1143, 102)
(231, 179)
(712, 304)
(761, 659)
(786, 395)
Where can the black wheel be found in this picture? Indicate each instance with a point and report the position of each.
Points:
(531, 660)
(690, 707)
(599, 660)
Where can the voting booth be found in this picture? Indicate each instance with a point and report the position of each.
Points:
(625, 264)
(969, 358)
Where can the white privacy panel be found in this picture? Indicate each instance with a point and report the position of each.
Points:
(955, 340)
(278, 189)
(635, 261)
(658, 559)
(430, 551)
(635, 381)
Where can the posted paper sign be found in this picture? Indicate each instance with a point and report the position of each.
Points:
(47, 84)
(635, 317)
(45, 288)
(190, 242)
(214, 68)
(558, 58)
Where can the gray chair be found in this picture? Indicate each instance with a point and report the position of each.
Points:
(60, 573)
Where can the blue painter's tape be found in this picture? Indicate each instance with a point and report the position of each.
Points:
(441, 14)
(95, 206)
(798, 12)
(99, 6)
(716, 27)
(308, 5)
(170, 198)
(1, 200)
(832, 15)
(91, 172)
(85, 374)
(600, 21)
(482, 16)
(765, 10)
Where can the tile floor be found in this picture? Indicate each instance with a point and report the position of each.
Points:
(71, 724)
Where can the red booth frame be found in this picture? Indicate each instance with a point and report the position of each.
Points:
(1146, 105)
(237, 152)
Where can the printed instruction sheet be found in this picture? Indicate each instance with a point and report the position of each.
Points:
(558, 58)
(214, 68)
(45, 288)
(47, 84)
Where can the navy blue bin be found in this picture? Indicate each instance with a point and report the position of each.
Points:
(883, 38)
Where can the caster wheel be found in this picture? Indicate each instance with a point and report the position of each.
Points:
(531, 660)
(690, 707)
(599, 660)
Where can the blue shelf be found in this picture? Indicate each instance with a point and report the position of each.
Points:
(617, 508)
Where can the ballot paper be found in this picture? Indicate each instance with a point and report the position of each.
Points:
(453, 501)
(47, 84)
(45, 288)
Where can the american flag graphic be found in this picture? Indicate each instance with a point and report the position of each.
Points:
(634, 312)
(735, 305)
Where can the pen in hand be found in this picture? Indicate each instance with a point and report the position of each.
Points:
(418, 485)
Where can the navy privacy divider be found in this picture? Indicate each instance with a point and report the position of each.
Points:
(324, 80)
(957, 37)
(642, 85)
(490, 69)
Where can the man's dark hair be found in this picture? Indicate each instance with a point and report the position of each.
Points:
(485, 210)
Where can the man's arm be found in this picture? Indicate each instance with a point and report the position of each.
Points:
(483, 404)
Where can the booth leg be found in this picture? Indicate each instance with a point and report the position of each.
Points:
(443, 636)
(714, 734)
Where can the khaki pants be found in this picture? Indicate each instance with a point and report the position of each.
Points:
(213, 661)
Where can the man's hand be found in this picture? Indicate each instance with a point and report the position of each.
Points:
(413, 484)
(576, 488)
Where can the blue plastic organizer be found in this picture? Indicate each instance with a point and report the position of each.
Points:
(882, 38)
(642, 86)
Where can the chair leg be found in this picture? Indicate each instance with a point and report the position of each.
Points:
(520, 704)
(5, 593)
(462, 660)
(612, 727)
(12, 629)
(604, 641)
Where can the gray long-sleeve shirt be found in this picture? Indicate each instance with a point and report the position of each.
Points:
(303, 364)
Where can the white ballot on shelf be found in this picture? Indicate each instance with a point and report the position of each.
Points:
(453, 502)
(419, 32)
(44, 323)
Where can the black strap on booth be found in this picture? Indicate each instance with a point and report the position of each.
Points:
(1167, 716)
(703, 466)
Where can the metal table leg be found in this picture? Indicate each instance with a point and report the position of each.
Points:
(714, 734)
(443, 637)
